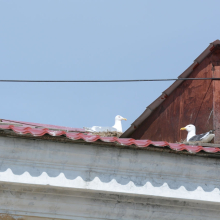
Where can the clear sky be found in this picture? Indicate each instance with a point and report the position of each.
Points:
(96, 39)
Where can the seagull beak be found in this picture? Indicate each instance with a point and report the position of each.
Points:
(182, 129)
(124, 119)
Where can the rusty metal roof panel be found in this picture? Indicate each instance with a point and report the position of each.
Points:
(169, 90)
(121, 141)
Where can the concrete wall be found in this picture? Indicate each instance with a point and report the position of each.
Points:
(78, 181)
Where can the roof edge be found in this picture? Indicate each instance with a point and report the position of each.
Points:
(11, 131)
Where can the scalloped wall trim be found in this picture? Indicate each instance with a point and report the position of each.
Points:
(111, 187)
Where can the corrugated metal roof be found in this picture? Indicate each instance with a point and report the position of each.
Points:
(169, 90)
(93, 138)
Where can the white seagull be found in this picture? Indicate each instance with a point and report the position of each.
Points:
(192, 137)
(117, 127)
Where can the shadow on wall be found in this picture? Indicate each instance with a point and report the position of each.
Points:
(67, 162)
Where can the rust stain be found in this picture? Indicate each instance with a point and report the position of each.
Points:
(4, 216)
(212, 48)
(10, 217)
(195, 66)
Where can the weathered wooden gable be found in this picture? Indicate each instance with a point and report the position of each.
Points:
(192, 102)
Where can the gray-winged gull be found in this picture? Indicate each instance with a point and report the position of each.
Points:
(117, 127)
(192, 137)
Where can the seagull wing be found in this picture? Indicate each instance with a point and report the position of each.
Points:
(199, 137)
(204, 138)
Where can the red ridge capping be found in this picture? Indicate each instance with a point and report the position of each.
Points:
(122, 141)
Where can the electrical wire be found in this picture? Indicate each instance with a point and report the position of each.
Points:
(103, 81)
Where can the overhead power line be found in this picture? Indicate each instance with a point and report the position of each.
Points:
(103, 81)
